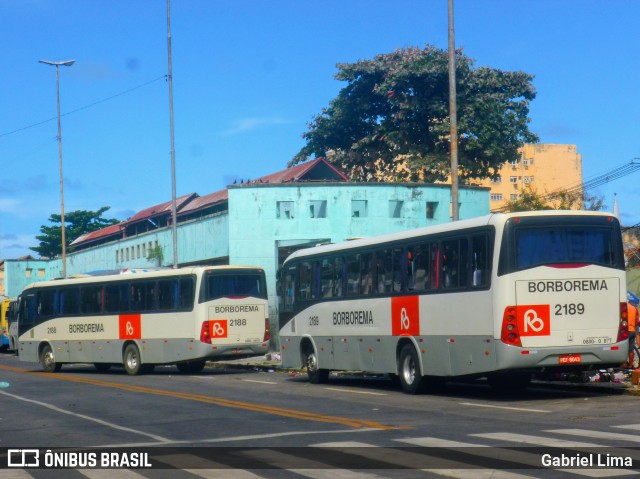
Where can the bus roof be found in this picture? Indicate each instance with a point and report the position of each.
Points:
(139, 274)
(490, 219)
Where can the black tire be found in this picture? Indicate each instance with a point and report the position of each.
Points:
(410, 374)
(102, 367)
(131, 360)
(316, 375)
(48, 360)
(191, 367)
(635, 362)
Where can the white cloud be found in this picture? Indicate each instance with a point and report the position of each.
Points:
(250, 124)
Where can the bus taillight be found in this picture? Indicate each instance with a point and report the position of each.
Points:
(205, 334)
(510, 333)
(623, 329)
(267, 333)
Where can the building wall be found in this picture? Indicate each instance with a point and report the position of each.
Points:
(546, 168)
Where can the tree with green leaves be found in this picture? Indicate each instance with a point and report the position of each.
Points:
(531, 200)
(391, 120)
(77, 223)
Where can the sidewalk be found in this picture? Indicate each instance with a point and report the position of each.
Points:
(622, 385)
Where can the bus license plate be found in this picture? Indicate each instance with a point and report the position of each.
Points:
(570, 359)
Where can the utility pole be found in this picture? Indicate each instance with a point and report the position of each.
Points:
(66, 63)
(173, 151)
(453, 117)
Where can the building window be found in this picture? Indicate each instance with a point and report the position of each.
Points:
(285, 210)
(395, 208)
(431, 209)
(144, 250)
(531, 179)
(496, 180)
(138, 251)
(530, 161)
(318, 208)
(127, 254)
(41, 273)
(496, 197)
(513, 179)
(27, 272)
(358, 208)
(513, 197)
(525, 162)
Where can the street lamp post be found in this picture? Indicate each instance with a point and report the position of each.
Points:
(66, 63)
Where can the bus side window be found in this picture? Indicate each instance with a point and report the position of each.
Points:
(417, 267)
(480, 260)
(167, 294)
(186, 297)
(353, 274)
(288, 289)
(367, 271)
(434, 266)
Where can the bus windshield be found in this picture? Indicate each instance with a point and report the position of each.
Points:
(539, 246)
(535, 242)
(230, 284)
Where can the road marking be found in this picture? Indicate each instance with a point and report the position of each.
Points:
(537, 440)
(256, 381)
(303, 466)
(244, 438)
(597, 434)
(201, 467)
(502, 407)
(88, 418)
(109, 474)
(521, 457)
(478, 474)
(15, 474)
(342, 390)
(218, 401)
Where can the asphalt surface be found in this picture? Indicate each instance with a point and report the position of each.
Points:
(604, 383)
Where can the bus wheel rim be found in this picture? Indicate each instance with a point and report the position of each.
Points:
(409, 370)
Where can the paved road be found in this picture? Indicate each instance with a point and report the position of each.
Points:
(278, 419)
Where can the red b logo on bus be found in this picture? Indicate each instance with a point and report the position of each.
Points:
(534, 320)
(129, 325)
(405, 316)
(218, 328)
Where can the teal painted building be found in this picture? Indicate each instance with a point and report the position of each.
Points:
(257, 223)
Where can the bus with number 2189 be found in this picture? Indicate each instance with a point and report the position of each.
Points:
(181, 316)
(502, 296)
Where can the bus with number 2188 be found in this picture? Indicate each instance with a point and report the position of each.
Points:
(181, 316)
(502, 296)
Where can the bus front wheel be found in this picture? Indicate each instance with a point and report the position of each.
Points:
(316, 375)
(410, 375)
(48, 360)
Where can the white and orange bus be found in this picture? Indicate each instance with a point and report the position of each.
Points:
(181, 316)
(502, 296)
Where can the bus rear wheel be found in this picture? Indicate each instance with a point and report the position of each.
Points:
(48, 360)
(131, 361)
(411, 378)
(316, 375)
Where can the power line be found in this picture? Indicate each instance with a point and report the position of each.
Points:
(579, 188)
(84, 107)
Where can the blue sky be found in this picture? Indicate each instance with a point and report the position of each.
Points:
(249, 75)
